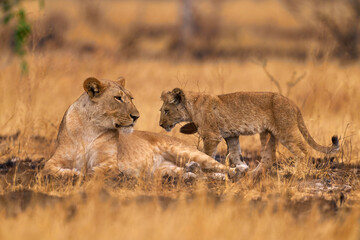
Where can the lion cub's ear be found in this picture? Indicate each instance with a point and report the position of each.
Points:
(93, 87)
(121, 81)
(178, 95)
(165, 96)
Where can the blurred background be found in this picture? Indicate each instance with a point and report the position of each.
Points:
(197, 29)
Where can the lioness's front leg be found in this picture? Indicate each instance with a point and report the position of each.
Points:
(105, 169)
(60, 167)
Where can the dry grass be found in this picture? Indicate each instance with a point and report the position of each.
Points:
(303, 202)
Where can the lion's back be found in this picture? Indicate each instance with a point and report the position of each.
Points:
(249, 112)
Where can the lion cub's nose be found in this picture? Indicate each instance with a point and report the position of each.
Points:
(134, 117)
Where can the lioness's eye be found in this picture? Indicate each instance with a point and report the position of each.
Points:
(166, 112)
(118, 98)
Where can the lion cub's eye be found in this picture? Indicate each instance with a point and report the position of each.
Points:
(166, 112)
(118, 98)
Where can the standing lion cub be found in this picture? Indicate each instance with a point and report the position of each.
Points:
(227, 116)
(96, 137)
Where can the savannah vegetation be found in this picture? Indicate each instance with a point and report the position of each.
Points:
(308, 54)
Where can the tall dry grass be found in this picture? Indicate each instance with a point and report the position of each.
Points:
(35, 104)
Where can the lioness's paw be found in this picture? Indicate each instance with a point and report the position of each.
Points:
(189, 177)
(68, 172)
(217, 176)
(192, 167)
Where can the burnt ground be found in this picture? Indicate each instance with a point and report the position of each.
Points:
(330, 185)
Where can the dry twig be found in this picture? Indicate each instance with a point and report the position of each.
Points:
(290, 84)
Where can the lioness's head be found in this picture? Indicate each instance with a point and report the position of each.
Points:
(173, 110)
(111, 105)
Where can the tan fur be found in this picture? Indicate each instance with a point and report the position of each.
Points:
(95, 137)
(227, 116)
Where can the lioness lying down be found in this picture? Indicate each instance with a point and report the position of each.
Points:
(227, 116)
(96, 137)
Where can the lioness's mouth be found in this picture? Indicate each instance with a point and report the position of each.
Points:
(119, 126)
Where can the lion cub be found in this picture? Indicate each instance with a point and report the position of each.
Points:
(227, 116)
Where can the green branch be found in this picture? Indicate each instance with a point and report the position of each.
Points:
(12, 11)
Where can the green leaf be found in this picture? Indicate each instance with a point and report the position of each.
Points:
(11, 9)
(6, 6)
(24, 67)
(8, 17)
(22, 32)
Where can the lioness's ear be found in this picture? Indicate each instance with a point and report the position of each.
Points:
(93, 87)
(179, 95)
(121, 81)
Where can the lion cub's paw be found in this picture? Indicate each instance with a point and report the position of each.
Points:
(243, 167)
(238, 171)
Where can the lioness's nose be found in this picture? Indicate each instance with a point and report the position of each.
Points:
(134, 117)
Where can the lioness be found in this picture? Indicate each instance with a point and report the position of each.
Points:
(96, 136)
(227, 116)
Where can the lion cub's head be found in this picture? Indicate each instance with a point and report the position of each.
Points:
(110, 104)
(173, 110)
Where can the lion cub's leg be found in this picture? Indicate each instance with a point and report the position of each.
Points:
(234, 151)
(210, 144)
(268, 153)
(295, 143)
